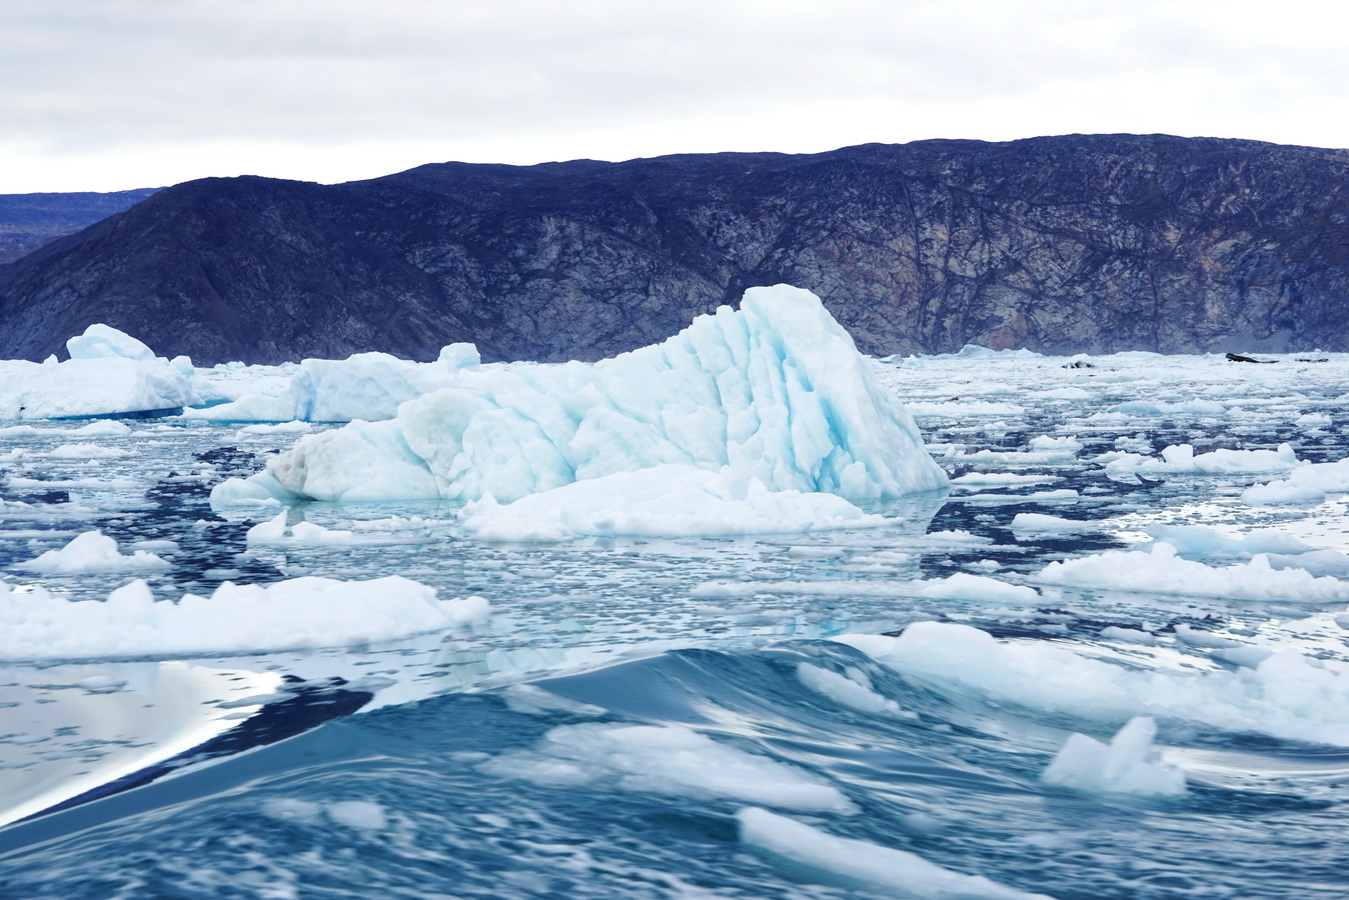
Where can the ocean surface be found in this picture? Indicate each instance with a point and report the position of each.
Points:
(679, 718)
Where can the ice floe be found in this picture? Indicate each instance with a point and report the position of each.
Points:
(236, 618)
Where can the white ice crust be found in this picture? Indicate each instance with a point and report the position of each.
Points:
(776, 391)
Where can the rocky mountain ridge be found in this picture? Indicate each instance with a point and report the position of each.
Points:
(30, 221)
(1066, 244)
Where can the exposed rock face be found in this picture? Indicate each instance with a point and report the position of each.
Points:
(1064, 244)
(30, 221)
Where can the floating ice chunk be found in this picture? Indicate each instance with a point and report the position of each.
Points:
(1028, 524)
(964, 408)
(1066, 445)
(851, 861)
(93, 552)
(1064, 393)
(295, 426)
(1128, 635)
(1200, 540)
(1309, 484)
(104, 342)
(276, 531)
(667, 759)
(1286, 695)
(1159, 408)
(1062, 495)
(258, 490)
(294, 614)
(852, 690)
(999, 479)
(365, 815)
(1129, 764)
(776, 390)
(532, 700)
(471, 610)
(1161, 571)
(1313, 420)
(964, 586)
(1180, 459)
(667, 500)
(88, 451)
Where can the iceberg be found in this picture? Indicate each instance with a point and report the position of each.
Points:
(776, 391)
(108, 374)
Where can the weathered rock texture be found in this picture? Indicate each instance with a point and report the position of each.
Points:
(1062, 244)
(30, 221)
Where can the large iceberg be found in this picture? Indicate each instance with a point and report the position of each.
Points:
(775, 391)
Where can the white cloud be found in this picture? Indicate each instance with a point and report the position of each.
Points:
(106, 94)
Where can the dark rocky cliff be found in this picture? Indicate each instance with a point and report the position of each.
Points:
(1062, 244)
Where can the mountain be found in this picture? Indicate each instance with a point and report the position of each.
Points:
(29, 221)
(1089, 243)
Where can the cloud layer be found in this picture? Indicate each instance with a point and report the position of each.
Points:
(108, 94)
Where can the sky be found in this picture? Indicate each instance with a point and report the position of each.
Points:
(103, 95)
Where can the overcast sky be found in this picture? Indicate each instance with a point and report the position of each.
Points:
(115, 94)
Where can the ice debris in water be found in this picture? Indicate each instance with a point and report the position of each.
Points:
(90, 553)
(1129, 764)
(1284, 695)
(775, 390)
(852, 690)
(1162, 571)
(667, 759)
(297, 613)
(1180, 459)
(851, 861)
(1309, 484)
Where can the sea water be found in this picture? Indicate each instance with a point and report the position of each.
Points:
(686, 716)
